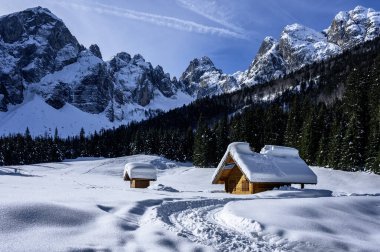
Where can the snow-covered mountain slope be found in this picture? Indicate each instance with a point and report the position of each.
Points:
(40, 58)
(88, 206)
(299, 45)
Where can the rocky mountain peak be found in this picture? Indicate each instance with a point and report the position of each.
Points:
(268, 56)
(202, 78)
(197, 68)
(297, 32)
(266, 45)
(350, 28)
(120, 60)
(138, 57)
(36, 22)
(300, 45)
(33, 43)
(95, 50)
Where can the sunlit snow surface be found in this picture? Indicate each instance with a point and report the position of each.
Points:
(85, 205)
(42, 119)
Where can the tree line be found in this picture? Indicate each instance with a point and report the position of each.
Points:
(330, 113)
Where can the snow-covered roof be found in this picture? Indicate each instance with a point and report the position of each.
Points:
(135, 170)
(272, 164)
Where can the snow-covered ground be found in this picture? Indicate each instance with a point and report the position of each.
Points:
(42, 119)
(84, 205)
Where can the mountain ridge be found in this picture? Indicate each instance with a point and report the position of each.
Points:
(43, 58)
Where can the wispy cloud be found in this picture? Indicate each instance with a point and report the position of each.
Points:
(213, 11)
(160, 20)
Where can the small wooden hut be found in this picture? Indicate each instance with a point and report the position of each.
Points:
(140, 174)
(243, 171)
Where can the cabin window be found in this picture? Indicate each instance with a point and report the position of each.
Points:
(245, 185)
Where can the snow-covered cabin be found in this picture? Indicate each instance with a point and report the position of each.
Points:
(244, 171)
(140, 174)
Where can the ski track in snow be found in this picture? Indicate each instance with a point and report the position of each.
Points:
(195, 221)
(200, 222)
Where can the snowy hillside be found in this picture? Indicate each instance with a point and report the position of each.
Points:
(85, 205)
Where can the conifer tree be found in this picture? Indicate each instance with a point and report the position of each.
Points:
(199, 152)
(221, 137)
(204, 145)
(354, 102)
(188, 145)
(373, 144)
(294, 124)
(310, 139)
(335, 142)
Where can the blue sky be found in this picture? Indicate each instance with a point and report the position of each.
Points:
(173, 32)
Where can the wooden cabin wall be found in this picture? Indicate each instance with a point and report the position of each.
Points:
(262, 187)
(237, 183)
(140, 183)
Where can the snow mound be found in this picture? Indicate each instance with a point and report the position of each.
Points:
(136, 170)
(310, 221)
(279, 151)
(161, 187)
(17, 217)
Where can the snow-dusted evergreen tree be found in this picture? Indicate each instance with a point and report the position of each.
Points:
(137, 143)
(335, 141)
(373, 145)
(221, 136)
(294, 124)
(309, 141)
(204, 145)
(325, 124)
(188, 145)
(1, 158)
(82, 142)
(354, 103)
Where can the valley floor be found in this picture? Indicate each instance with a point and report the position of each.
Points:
(84, 205)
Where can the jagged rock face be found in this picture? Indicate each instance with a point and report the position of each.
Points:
(33, 43)
(350, 28)
(300, 45)
(137, 80)
(86, 84)
(94, 91)
(201, 78)
(95, 51)
(196, 69)
(268, 56)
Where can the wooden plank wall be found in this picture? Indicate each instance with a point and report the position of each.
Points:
(262, 187)
(139, 183)
(235, 182)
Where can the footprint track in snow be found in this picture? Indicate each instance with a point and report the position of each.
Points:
(197, 221)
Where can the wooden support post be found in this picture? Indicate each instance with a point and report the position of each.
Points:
(302, 186)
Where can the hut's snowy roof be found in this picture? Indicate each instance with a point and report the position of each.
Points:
(140, 171)
(272, 164)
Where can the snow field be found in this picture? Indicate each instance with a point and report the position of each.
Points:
(84, 204)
